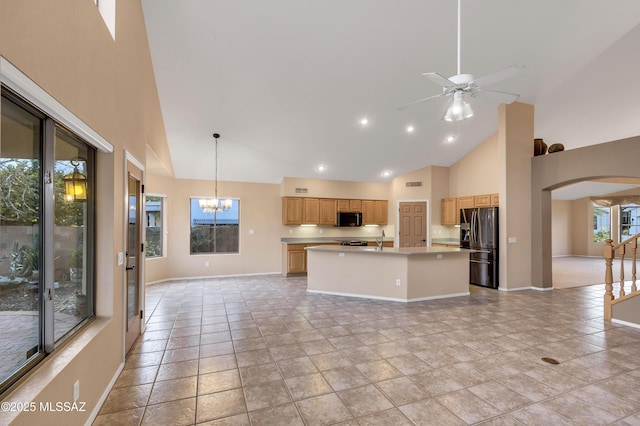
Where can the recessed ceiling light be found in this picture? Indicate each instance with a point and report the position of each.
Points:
(450, 138)
(322, 168)
(386, 173)
(364, 121)
(410, 129)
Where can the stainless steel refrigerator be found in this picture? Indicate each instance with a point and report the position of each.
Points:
(479, 231)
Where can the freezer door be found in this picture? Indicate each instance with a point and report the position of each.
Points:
(483, 268)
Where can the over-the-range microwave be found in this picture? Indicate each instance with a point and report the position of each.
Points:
(349, 219)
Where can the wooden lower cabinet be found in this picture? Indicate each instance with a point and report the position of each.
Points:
(294, 258)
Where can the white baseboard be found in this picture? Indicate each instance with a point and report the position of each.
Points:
(526, 288)
(205, 277)
(628, 324)
(105, 394)
(389, 299)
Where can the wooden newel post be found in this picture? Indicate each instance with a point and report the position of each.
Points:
(608, 278)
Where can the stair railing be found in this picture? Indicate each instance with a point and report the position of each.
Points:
(609, 255)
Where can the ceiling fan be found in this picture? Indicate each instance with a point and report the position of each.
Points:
(460, 85)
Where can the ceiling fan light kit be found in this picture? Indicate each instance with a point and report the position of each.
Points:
(460, 85)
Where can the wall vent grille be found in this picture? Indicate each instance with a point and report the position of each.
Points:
(302, 190)
(410, 184)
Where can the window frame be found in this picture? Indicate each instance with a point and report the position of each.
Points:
(236, 202)
(595, 223)
(163, 226)
(49, 127)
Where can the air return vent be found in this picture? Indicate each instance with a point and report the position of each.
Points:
(410, 184)
(302, 190)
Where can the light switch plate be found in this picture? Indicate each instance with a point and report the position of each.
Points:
(120, 258)
(513, 240)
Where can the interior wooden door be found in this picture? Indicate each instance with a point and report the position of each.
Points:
(413, 224)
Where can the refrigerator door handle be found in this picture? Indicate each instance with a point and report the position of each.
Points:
(484, 262)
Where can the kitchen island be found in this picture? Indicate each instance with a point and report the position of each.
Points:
(399, 274)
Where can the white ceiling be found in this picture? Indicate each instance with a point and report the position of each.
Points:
(286, 81)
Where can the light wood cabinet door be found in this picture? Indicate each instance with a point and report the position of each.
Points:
(328, 211)
(482, 200)
(465, 203)
(291, 210)
(449, 212)
(381, 212)
(495, 200)
(343, 205)
(297, 261)
(368, 212)
(310, 211)
(355, 206)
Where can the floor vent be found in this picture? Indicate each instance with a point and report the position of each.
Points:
(410, 184)
(550, 361)
(302, 190)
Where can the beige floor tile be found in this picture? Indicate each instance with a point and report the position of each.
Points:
(217, 363)
(125, 398)
(218, 405)
(467, 406)
(430, 411)
(344, 378)
(175, 413)
(402, 391)
(281, 415)
(266, 395)
(364, 400)
(218, 381)
(131, 417)
(307, 386)
(296, 367)
(377, 371)
(384, 418)
(137, 376)
(170, 390)
(257, 374)
(323, 410)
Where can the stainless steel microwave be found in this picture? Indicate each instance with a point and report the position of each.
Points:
(349, 219)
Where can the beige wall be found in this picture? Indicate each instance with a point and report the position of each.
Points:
(477, 172)
(65, 48)
(260, 212)
(612, 159)
(561, 225)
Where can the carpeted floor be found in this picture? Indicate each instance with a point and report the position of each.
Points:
(578, 271)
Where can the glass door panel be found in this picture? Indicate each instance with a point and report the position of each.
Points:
(20, 307)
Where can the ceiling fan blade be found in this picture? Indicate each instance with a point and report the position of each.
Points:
(417, 102)
(499, 75)
(439, 79)
(501, 97)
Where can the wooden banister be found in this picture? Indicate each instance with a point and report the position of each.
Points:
(610, 254)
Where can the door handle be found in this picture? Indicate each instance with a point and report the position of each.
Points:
(484, 262)
(130, 268)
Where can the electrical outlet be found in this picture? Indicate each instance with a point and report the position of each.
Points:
(321, 231)
(76, 390)
(206, 264)
(398, 281)
(341, 254)
(251, 232)
(438, 256)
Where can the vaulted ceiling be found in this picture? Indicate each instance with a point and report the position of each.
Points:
(285, 82)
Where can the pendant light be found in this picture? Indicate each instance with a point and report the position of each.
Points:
(210, 205)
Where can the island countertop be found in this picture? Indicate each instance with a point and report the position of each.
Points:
(402, 251)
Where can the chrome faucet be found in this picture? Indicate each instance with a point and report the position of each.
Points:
(380, 240)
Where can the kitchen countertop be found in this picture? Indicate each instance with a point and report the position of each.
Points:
(327, 240)
(402, 251)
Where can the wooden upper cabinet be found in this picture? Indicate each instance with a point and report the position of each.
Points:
(368, 212)
(482, 200)
(495, 200)
(328, 209)
(291, 210)
(310, 211)
(466, 203)
(381, 211)
(375, 212)
(449, 212)
(355, 206)
(343, 205)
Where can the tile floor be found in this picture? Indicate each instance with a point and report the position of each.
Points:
(261, 351)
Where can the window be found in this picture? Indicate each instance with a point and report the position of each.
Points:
(154, 210)
(601, 224)
(215, 232)
(629, 220)
(46, 254)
